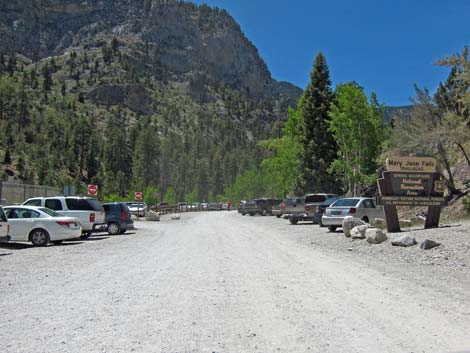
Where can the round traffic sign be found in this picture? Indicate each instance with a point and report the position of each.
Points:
(92, 189)
(138, 195)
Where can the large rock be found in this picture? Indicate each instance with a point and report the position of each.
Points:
(359, 232)
(379, 223)
(349, 223)
(429, 244)
(152, 216)
(375, 236)
(405, 241)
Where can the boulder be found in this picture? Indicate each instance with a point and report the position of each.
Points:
(152, 216)
(405, 241)
(349, 223)
(405, 223)
(379, 223)
(175, 217)
(375, 236)
(429, 244)
(359, 232)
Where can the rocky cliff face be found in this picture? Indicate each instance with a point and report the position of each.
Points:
(178, 38)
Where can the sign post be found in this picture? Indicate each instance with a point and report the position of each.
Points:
(92, 190)
(411, 181)
(138, 196)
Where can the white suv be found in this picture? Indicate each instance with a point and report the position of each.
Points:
(88, 211)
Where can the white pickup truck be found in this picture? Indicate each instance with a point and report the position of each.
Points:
(88, 211)
(363, 208)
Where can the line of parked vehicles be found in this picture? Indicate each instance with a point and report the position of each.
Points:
(43, 220)
(327, 210)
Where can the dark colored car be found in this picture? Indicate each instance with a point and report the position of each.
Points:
(262, 207)
(118, 218)
(319, 211)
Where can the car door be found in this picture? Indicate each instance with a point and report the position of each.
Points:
(20, 224)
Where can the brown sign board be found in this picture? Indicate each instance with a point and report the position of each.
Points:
(411, 164)
(414, 182)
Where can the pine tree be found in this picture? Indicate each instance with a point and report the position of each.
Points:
(319, 146)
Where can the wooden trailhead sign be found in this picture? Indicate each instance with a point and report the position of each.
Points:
(414, 182)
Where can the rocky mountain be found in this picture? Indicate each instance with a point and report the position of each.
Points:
(177, 38)
(131, 94)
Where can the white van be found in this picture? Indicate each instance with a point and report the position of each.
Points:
(88, 211)
(4, 226)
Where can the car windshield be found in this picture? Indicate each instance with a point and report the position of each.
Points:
(50, 212)
(315, 198)
(345, 203)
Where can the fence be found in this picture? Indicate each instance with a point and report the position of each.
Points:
(13, 193)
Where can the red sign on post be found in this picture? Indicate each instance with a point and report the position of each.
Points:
(92, 190)
(138, 195)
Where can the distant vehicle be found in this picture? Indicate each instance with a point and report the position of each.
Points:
(241, 207)
(195, 206)
(138, 209)
(4, 226)
(262, 206)
(278, 210)
(213, 206)
(293, 206)
(319, 211)
(88, 211)
(204, 206)
(360, 207)
(182, 207)
(41, 225)
(312, 203)
(118, 218)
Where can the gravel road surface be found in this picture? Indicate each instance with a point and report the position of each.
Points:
(220, 282)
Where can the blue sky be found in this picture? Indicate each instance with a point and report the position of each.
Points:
(385, 46)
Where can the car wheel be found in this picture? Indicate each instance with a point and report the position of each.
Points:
(332, 228)
(39, 237)
(113, 228)
(278, 216)
(252, 214)
(365, 219)
(85, 235)
(57, 242)
(293, 221)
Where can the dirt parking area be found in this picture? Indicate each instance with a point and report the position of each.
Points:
(220, 282)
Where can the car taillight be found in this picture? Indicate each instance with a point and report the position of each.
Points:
(65, 224)
(8, 229)
(92, 217)
(352, 210)
(123, 216)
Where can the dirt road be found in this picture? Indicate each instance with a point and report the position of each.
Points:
(220, 282)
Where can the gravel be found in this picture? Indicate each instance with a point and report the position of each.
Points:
(220, 282)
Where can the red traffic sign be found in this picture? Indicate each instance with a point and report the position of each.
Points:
(92, 189)
(138, 195)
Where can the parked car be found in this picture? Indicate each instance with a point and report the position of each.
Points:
(293, 206)
(241, 207)
(182, 207)
(312, 203)
(363, 208)
(319, 211)
(118, 218)
(213, 206)
(278, 209)
(138, 209)
(41, 225)
(204, 206)
(261, 206)
(88, 211)
(4, 226)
